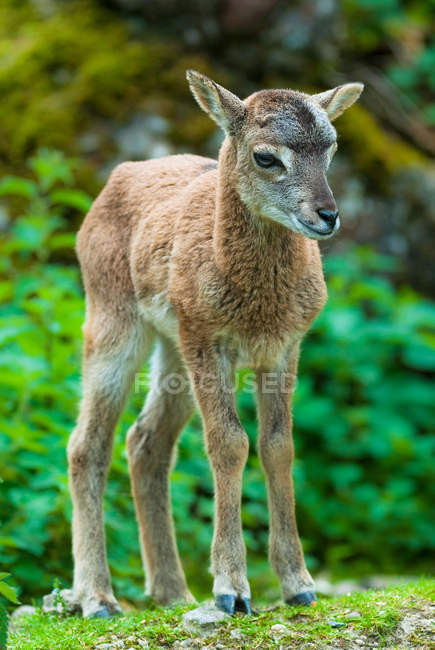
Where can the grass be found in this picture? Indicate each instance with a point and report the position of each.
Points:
(370, 620)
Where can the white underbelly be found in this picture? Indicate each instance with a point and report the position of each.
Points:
(159, 312)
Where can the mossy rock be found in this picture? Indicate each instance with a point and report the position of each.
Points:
(79, 69)
(376, 154)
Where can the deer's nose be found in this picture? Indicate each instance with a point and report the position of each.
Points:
(328, 216)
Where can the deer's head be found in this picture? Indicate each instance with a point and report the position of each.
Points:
(284, 142)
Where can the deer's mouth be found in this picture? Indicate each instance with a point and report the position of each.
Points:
(318, 232)
(296, 223)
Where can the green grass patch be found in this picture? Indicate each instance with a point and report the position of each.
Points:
(372, 616)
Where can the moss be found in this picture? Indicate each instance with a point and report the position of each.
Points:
(377, 154)
(80, 68)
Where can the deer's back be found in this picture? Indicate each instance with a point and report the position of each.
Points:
(125, 241)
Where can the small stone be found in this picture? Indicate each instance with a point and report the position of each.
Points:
(347, 587)
(353, 615)
(18, 614)
(61, 602)
(336, 624)
(237, 634)
(143, 643)
(204, 620)
(279, 630)
(23, 610)
(106, 646)
(359, 641)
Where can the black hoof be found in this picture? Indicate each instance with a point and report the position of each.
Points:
(226, 603)
(243, 605)
(307, 598)
(231, 604)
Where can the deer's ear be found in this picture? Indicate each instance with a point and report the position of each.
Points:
(336, 101)
(226, 109)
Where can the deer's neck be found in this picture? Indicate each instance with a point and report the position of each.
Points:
(249, 249)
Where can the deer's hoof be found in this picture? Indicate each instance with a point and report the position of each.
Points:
(230, 604)
(105, 612)
(226, 603)
(307, 598)
(243, 605)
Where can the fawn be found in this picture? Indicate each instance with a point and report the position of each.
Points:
(217, 266)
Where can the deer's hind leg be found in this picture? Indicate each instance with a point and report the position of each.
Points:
(151, 443)
(113, 352)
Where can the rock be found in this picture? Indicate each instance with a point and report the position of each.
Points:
(346, 587)
(144, 135)
(237, 634)
(336, 624)
(23, 610)
(353, 615)
(326, 587)
(384, 581)
(278, 630)
(61, 602)
(204, 620)
(420, 621)
(143, 643)
(115, 644)
(18, 614)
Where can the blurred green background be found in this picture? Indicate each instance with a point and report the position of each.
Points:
(85, 85)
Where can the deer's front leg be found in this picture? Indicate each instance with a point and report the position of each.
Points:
(227, 447)
(276, 451)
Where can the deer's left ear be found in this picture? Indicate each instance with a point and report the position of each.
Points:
(336, 101)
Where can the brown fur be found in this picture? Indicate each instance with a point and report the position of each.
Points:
(216, 264)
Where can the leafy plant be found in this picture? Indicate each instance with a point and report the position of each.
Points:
(10, 595)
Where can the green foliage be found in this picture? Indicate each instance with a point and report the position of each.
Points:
(363, 412)
(403, 32)
(9, 593)
(364, 419)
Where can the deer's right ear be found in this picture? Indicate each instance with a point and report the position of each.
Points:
(226, 109)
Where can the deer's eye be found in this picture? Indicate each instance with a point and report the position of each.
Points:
(266, 159)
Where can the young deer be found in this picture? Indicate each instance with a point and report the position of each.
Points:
(217, 264)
